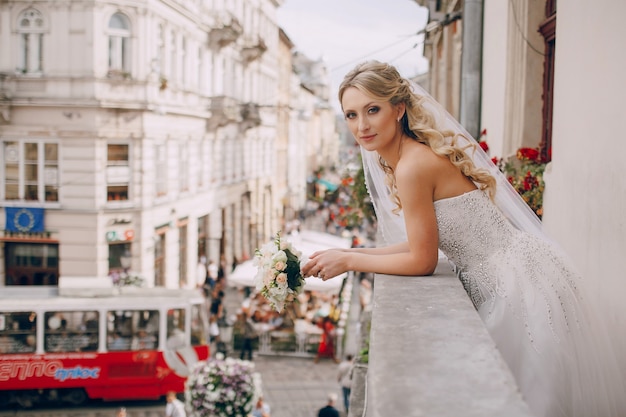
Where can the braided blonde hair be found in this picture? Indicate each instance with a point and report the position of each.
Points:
(383, 82)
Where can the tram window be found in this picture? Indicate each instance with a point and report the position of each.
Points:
(18, 332)
(198, 326)
(132, 329)
(176, 329)
(71, 331)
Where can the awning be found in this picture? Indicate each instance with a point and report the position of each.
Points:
(327, 184)
(307, 242)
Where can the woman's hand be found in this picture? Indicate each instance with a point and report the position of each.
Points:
(327, 264)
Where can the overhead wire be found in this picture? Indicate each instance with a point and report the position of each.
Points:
(406, 51)
(353, 61)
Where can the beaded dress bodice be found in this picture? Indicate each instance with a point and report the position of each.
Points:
(471, 228)
(473, 234)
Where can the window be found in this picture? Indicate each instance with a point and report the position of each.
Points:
(182, 255)
(548, 30)
(183, 172)
(160, 170)
(176, 337)
(160, 42)
(120, 257)
(71, 331)
(31, 263)
(173, 56)
(132, 330)
(200, 71)
(30, 28)
(183, 62)
(201, 166)
(18, 332)
(199, 325)
(119, 43)
(118, 172)
(31, 171)
(203, 236)
(159, 260)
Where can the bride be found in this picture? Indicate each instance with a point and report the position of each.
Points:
(434, 189)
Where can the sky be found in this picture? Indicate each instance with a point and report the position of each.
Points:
(347, 32)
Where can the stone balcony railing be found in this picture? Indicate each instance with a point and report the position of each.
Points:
(430, 354)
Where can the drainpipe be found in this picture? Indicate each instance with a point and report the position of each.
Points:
(471, 66)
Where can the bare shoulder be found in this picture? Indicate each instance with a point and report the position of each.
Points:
(418, 163)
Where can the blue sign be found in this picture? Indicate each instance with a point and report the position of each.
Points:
(24, 220)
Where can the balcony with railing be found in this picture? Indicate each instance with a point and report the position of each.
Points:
(227, 29)
(253, 49)
(224, 110)
(430, 354)
(250, 116)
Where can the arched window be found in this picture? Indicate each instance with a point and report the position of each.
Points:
(30, 27)
(119, 43)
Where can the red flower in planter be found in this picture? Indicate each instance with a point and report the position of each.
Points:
(525, 173)
(528, 154)
(484, 146)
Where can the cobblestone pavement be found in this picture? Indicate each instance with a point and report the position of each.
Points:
(297, 387)
(292, 386)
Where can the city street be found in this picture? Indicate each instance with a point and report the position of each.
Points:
(292, 386)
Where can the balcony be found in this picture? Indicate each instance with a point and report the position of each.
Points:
(430, 354)
(253, 49)
(250, 116)
(226, 31)
(224, 110)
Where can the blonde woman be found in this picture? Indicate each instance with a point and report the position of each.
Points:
(434, 189)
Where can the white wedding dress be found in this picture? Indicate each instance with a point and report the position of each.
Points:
(527, 294)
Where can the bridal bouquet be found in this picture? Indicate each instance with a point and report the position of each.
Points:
(279, 277)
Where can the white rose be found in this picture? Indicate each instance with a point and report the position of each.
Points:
(280, 256)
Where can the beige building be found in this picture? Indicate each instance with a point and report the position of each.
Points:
(145, 135)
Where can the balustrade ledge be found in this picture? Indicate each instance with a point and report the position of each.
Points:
(431, 355)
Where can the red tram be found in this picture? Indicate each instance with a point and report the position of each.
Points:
(69, 349)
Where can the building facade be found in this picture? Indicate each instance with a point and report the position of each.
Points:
(137, 138)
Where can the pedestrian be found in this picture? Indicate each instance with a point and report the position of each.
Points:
(212, 272)
(326, 347)
(216, 309)
(433, 188)
(249, 335)
(174, 406)
(261, 408)
(344, 376)
(329, 410)
(121, 412)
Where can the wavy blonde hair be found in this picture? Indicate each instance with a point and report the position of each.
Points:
(383, 82)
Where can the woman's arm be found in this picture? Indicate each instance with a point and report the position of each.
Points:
(415, 183)
(383, 250)
(418, 256)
